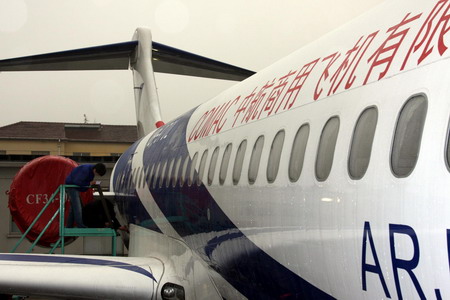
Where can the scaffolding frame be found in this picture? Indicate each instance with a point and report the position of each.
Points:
(68, 232)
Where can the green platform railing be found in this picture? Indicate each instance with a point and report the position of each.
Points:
(67, 232)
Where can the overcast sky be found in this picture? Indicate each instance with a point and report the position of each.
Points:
(248, 33)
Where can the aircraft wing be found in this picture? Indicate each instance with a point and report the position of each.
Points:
(87, 277)
(165, 59)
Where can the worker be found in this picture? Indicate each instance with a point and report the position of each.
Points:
(83, 177)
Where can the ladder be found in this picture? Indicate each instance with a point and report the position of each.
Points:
(68, 232)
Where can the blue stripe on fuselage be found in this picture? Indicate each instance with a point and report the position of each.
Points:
(196, 216)
(126, 196)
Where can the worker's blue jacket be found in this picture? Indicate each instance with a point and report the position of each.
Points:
(81, 176)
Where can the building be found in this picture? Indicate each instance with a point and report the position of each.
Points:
(84, 143)
(66, 139)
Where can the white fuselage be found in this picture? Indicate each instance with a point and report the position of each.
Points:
(382, 234)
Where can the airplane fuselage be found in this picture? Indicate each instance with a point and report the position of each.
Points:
(323, 176)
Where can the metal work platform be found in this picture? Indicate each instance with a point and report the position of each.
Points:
(67, 232)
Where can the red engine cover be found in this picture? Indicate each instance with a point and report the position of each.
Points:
(31, 189)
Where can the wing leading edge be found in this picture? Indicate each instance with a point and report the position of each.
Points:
(71, 276)
(165, 59)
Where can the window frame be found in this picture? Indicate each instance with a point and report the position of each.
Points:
(162, 174)
(43, 153)
(202, 167)
(144, 175)
(447, 147)
(269, 158)
(353, 140)
(184, 171)
(235, 173)
(255, 161)
(191, 177)
(148, 176)
(213, 165)
(304, 152)
(169, 172)
(225, 163)
(176, 172)
(420, 137)
(155, 175)
(319, 146)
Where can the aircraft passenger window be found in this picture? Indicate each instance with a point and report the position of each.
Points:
(184, 171)
(169, 172)
(154, 172)
(447, 153)
(149, 175)
(237, 169)
(275, 156)
(192, 169)
(361, 148)
(144, 175)
(298, 153)
(176, 172)
(408, 135)
(224, 164)
(133, 176)
(137, 183)
(130, 181)
(138, 177)
(212, 165)
(255, 159)
(201, 167)
(155, 175)
(118, 181)
(121, 183)
(126, 181)
(327, 145)
(162, 175)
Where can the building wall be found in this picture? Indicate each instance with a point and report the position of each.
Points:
(13, 147)
(95, 149)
